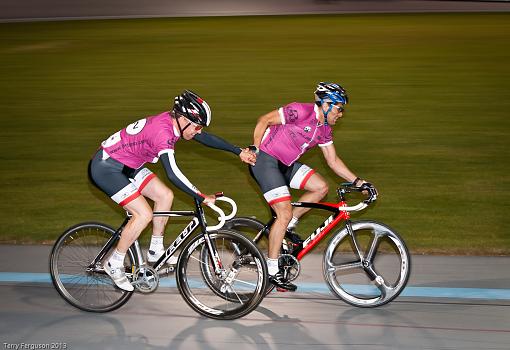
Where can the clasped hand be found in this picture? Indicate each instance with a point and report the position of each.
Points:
(248, 156)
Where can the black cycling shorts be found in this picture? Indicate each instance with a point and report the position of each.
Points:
(120, 182)
(275, 178)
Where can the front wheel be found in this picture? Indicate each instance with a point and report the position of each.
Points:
(367, 267)
(233, 290)
(254, 229)
(80, 283)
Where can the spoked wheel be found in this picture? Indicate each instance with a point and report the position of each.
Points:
(251, 228)
(231, 292)
(368, 268)
(215, 282)
(81, 284)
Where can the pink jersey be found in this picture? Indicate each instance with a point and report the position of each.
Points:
(142, 141)
(298, 132)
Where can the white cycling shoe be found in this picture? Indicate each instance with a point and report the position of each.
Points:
(118, 277)
(153, 256)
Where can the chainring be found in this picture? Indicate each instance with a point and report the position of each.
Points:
(145, 279)
(290, 266)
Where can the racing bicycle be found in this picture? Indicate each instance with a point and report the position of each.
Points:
(235, 262)
(366, 263)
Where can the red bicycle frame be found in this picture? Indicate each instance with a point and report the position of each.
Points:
(337, 216)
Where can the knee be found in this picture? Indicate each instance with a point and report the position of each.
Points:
(165, 196)
(284, 216)
(323, 189)
(143, 217)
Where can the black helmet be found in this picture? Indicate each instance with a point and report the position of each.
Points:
(193, 107)
(330, 92)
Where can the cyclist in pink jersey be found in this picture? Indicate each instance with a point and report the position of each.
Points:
(118, 169)
(280, 138)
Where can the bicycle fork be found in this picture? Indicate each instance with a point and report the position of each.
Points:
(366, 261)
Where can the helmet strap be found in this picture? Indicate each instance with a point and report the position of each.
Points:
(181, 129)
(325, 113)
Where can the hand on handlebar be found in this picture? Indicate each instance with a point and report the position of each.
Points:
(368, 189)
(209, 199)
(365, 188)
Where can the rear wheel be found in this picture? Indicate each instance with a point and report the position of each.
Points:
(254, 230)
(369, 267)
(249, 227)
(81, 284)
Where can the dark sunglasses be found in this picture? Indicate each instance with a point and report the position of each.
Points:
(196, 126)
(339, 108)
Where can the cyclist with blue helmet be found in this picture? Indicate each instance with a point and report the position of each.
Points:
(280, 138)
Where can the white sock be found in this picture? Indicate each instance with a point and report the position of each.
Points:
(272, 266)
(293, 222)
(117, 259)
(156, 243)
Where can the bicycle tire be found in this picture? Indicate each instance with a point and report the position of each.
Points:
(359, 281)
(204, 295)
(87, 289)
(252, 228)
(210, 277)
(249, 226)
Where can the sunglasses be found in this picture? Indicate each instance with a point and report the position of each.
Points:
(339, 108)
(197, 127)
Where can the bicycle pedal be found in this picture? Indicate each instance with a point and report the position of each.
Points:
(281, 290)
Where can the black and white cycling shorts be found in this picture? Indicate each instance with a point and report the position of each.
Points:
(120, 182)
(274, 178)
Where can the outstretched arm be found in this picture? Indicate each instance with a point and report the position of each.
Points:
(178, 179)
(217, 142)
(336, 164)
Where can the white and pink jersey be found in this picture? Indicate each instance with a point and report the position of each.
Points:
(142, 141)
(298, 132)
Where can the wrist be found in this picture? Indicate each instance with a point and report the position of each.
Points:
(356, 181)
(254, 149)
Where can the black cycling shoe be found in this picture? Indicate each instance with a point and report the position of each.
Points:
(280, 282)
(293, 236)
(294, 242)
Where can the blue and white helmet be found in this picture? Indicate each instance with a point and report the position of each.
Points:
(193, 107)
(331, 93)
